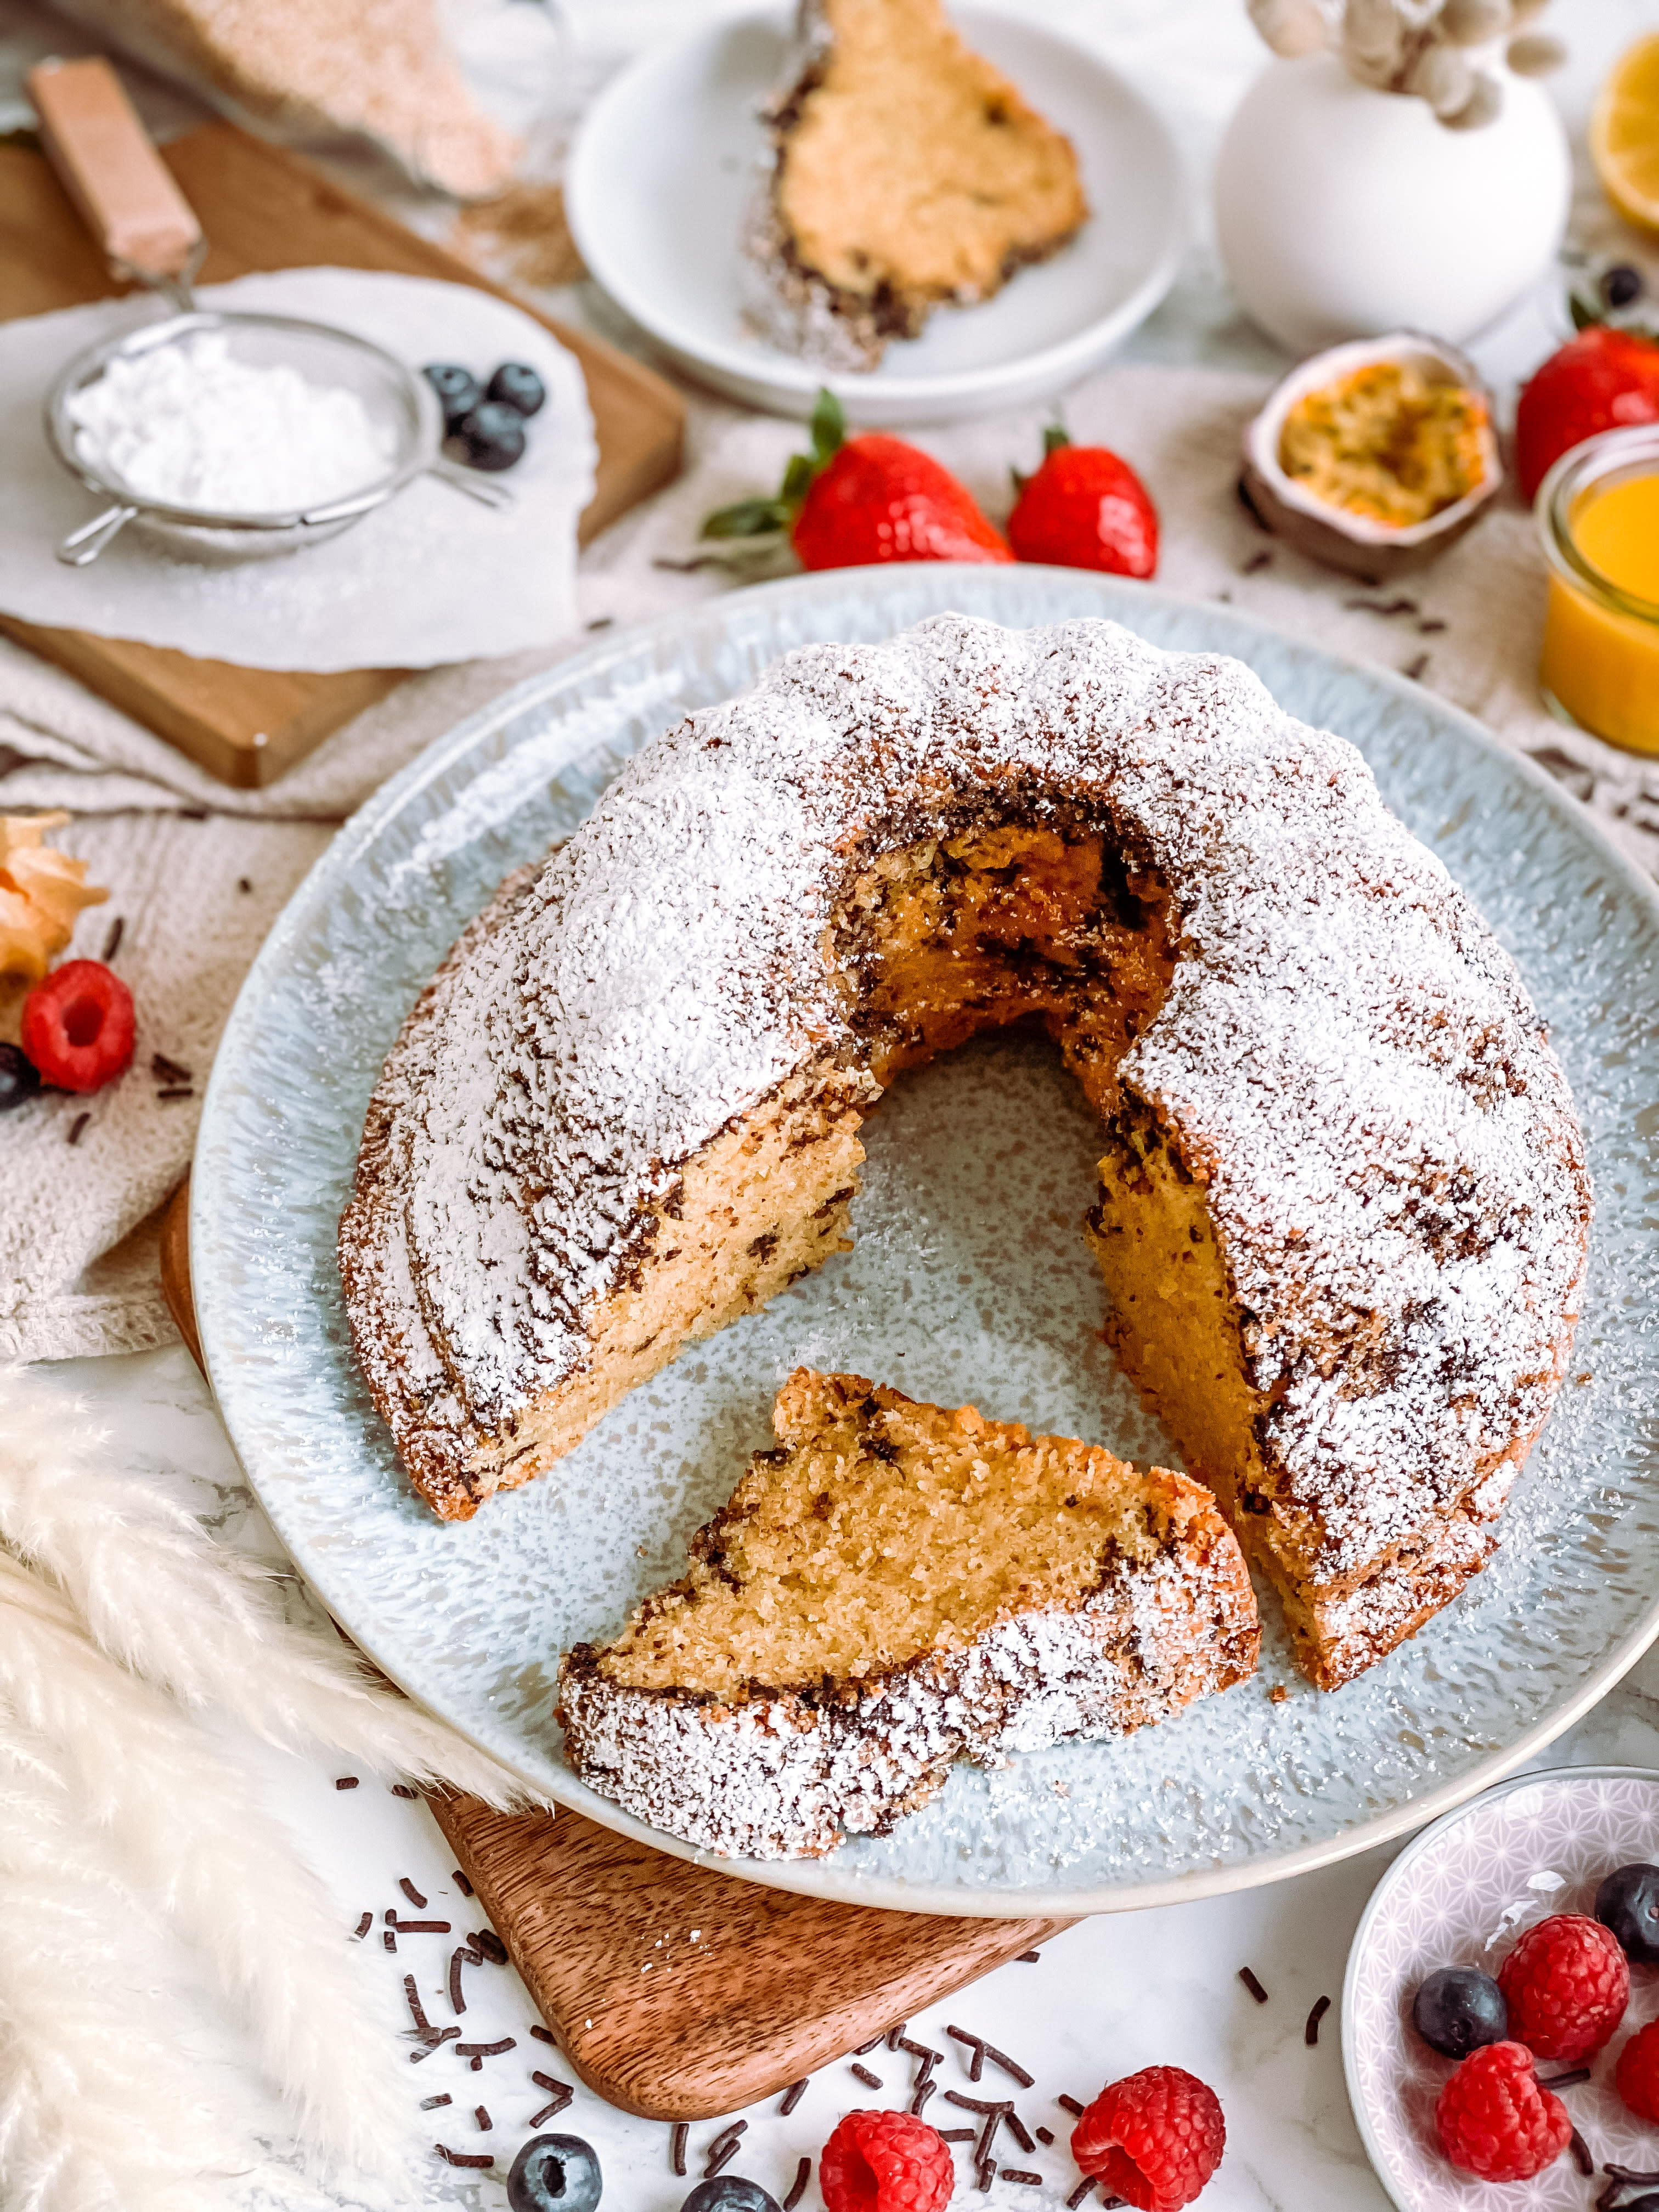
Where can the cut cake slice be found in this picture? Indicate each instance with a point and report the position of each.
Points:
(896, 1587)
(907, 172)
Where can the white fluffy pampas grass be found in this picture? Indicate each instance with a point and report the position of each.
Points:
(124, 1627)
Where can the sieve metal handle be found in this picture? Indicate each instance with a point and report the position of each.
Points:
(82, 546)
(484, 490)
(123, 190)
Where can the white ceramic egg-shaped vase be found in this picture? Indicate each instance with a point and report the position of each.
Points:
(1342, 211)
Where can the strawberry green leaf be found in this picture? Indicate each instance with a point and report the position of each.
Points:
(750, 518)
(828, 426)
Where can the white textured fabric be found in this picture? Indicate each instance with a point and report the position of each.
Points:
(189, 930)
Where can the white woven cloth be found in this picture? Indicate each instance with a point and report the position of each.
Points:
(198, 872)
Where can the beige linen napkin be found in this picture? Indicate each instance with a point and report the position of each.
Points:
(198, 872)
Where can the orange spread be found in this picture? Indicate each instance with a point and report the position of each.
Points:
(1600, 659)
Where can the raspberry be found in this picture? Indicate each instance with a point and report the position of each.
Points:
(885, 2162)
(1637, 2075)
(1154, 2138)
(1493, 2119)
(1566, 1984)
(77, 1026)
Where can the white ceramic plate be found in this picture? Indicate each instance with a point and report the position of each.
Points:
(667, 161)
(1458, 1897)
(970, 1281)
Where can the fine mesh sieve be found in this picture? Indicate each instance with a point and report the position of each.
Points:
(150, 231)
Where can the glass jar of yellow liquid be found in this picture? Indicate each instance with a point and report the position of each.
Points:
(1598, 512)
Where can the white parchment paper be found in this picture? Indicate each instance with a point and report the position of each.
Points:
(431, 577)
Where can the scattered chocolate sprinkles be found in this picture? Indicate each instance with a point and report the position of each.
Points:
(895, 2037)
(1021, 2134)
(1610, 2196)
(985, 2175)
(549, 2112)
(1015, 2073)
(413, 1996)
(402, 1789)
(1569, 2081)
(798, 2187)
(113, 942)
(955, 2135)
(411, 1893)
(492, 2050)
(192, 814)
(243, 884)
(923, 2090)
(979, 2104)
(184, 1091)
(364, 1927)
(1247, 1975)
(1045, 2134)
(725, 2159)
(463, 1884)
(490, 1944)
(1310, 2034)
(859, 2049)
(1022, 2174)
(418, 1927)
(869, 2081)
(1257, 563)
(77, 1125)
(677, 2139)
(1399, 606)
(976, 2045)
(1428, 629)
(435, 2041)
(543, 2034)
(794, 2093)
(341, 1781)
(731, 2134)
(1071, 2106)
(389, 1940)
(168, 1070)
(456, 1958)
(1581, 2157)
(1413, 669)
(481, 2114)
(1628, 2172)
(431, 2104)
(465, 2157)
(602, 622)
(555, 2087)
(1084, 2188)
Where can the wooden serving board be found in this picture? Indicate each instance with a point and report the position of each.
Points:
(773, 1984)
(262, 208)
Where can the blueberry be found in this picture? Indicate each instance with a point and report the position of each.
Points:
(729, 2192)
(491, 436)
(554, 2173)
(519, 388)
(457, 389)
(1458, 2008)
(1620, 287)
(20, 1078)
(1628, 1903)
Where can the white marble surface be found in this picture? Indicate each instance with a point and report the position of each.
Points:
(1115, 1993)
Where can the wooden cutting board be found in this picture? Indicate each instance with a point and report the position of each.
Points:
(773, 1985)
(262, 208)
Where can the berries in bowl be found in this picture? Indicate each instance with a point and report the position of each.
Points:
(1490, 1999)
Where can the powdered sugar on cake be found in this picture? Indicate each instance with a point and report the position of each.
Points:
(1396, 1175)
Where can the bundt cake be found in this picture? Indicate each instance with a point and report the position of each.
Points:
(893, 1588)
(906, 172)
(1343, 1207)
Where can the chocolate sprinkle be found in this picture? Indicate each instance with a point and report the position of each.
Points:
(1028, 1959)
(465, 2157)
(342, 1781)
(1412, 670)
(364, 1927)
(1019, 2173)
(543, 2034)
(243, 884)
(1428, 629)
(168, 1070)
(1581, 2157)
(1310, 2034)
(979, 2103)
(725, 2159)
(389, 1940)
(482, 2116)
(1628, 2172)
(1399, 606)
(798, 2187)
(1072, 2105)
(1016, 2073)
(976, 2045)
(1084, 2188)
(113, 942)
(493, 2050)
(869, 2081)
(677, 2138)
(1610, 2196)
(554, 2087)
(1247, 1975)
(402, 1789)
(435, 2041)
(955, 2135)
(176, 1093)
(985, 2176)
(456, 1958)
(1568, 2081)
(1020, 2132)
(896, 2035)
(793, 2094)
(1257, 563)
(1045, 2134)
(463, 1884)
(77, 1125)
(923, 2090)
(411, 1893)
(491, 1946)
(423, 2025)
(419, 1927)
(431, 2104)
(548, 2111)
(859, 2049)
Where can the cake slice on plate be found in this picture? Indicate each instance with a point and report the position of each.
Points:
(895, 1588)
(908, 172)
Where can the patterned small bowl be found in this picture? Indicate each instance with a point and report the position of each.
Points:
(1459, 1896)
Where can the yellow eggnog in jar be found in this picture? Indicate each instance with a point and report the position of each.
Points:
(1598, 512)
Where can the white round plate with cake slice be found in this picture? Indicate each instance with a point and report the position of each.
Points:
(667, 161)
(979, 1170)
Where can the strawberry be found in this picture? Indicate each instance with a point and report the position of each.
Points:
(1599, 381)
(854, 501)
(1085, 508)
